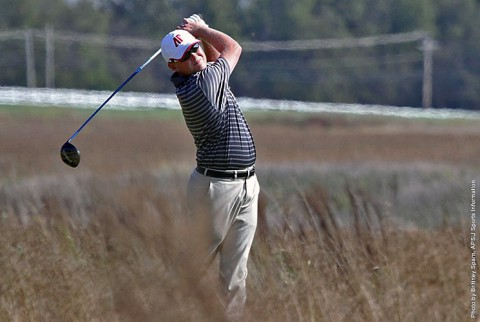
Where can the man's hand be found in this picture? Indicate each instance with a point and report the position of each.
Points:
(193, 24)
(197, 18)
(216, 43)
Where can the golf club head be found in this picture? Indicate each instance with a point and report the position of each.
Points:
(70, 154)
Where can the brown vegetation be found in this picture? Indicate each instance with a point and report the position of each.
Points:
(117, 144)
(109, 241)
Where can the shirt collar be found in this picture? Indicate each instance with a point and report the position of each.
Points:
(178, 80)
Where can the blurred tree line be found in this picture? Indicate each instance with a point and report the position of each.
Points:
(376, 75)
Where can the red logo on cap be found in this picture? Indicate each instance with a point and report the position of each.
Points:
(177, 40)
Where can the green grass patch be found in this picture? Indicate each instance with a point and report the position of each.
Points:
(344, 119)
(257, 116)
(56, 111)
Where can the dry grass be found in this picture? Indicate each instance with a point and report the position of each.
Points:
(109, 241)
(30, 144)
(118, 250)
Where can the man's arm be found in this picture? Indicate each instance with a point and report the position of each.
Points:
(222, 44)
(210, 51)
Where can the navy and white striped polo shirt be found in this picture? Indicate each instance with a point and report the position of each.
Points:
(220, 132)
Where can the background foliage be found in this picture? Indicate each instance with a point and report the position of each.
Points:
(381, 75)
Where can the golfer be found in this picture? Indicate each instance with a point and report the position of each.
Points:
(224, 180)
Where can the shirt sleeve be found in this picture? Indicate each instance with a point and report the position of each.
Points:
(214, 82)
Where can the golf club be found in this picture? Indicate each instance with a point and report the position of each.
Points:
(69, 153)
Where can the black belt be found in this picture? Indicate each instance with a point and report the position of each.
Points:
(229, 174)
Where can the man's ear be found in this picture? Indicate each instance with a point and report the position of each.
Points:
(172, 66)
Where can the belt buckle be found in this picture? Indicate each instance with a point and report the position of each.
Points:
(235, 174)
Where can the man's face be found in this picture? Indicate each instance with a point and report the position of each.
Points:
(195, 61)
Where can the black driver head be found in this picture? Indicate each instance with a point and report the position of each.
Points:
(70, 154)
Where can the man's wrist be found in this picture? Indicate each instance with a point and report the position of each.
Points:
(202, 32)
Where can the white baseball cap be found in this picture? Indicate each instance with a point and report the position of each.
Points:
(176, 43)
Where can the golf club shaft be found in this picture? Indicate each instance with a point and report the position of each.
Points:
(139, 69)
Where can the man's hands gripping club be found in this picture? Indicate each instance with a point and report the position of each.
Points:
(216, 43)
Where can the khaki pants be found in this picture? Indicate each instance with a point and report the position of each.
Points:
(227, 208)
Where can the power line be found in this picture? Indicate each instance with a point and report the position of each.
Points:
(50, 38)
(312, 44)
(249, 46)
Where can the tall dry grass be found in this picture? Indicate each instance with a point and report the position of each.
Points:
(361, 220)
(91, 248)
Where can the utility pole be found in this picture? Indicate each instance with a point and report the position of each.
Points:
(428, 46)
(30, 57)
(49, 57)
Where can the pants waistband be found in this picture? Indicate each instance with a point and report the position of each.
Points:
(227, 174)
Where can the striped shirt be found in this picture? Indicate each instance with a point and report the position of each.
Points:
(220, 132)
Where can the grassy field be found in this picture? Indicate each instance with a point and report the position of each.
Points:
(361, 219)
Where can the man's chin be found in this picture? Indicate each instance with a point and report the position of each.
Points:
(200, 66)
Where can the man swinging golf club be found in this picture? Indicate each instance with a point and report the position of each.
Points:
(224, 180)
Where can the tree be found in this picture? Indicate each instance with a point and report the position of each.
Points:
(457, 67)
(384, 75)
(143, 18)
